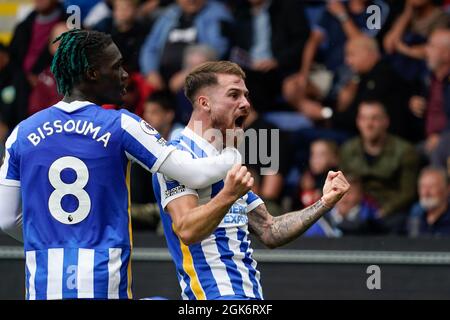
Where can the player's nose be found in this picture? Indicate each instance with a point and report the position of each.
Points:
(124, 76)
(245, 104)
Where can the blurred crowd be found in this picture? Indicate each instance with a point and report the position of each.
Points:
(351, 88)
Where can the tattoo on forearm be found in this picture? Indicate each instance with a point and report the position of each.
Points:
(278, 231)
(289, 226)
(311, 214)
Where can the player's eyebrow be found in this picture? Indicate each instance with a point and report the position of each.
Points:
(118, 61)
(232, 90)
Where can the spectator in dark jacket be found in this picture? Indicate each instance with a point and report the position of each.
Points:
(374, 80)
(184, 23)
(127, 32)
(340, 22)
(269, 37)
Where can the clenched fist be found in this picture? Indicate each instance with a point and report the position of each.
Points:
(335, 187)
(238, 181)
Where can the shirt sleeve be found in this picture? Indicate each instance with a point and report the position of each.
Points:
(170, 190)
(10, 170)
(253, 201)
(142, 143)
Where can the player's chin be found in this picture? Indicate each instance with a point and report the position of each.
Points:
(123, 91)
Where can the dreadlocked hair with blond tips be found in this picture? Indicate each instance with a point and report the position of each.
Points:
(78, 51)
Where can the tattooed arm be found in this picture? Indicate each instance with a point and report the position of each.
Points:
(277, 231)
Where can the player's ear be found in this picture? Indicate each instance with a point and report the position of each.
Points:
(203, 102)
(91, 74)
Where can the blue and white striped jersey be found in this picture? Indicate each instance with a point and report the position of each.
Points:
(221, 264)
(72, 162)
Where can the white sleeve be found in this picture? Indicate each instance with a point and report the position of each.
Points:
(199, 173)
(142, 143)
(10, 211)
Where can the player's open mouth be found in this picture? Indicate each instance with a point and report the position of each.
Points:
(240, 121)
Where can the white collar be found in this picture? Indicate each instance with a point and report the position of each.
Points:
(73, 106)
(207, 147)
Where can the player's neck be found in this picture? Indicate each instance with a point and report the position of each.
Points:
(200, 124)
(77, 95)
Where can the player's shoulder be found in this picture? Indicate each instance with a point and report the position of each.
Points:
(32, 122)
(130, 121)
(117, 118)
(178, 143)
(113, 115)
(125, 113)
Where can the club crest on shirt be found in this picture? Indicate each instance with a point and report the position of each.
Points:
(148, 129)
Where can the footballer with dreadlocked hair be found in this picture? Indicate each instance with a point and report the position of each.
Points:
(80, 61)
(64, 183)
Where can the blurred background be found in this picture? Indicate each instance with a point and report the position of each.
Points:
(361, 86)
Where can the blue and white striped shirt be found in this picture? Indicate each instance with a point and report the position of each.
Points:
(221, 264)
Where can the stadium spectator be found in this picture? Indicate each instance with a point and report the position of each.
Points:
(407, 38)
(386, 164)
(352, 215)
(431, 216)
(341, 22)
(184, 23)
(29, 49)
(75, 153)
(269, 37)
(206, 229)
(440, 157)
(45, 92)
(193, 56)
(126, 31)
(323, 158)
(419, 17)
(374, 80)
(433, 105)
